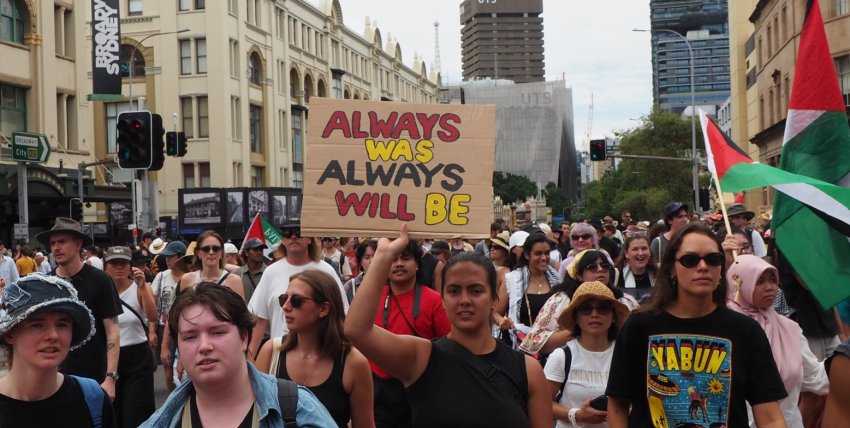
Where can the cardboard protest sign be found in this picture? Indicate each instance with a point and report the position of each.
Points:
(371, 165)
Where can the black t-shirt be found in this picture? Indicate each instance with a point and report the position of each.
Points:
(693, 371)
(451, 393)
(96, 289)
(196, 417)
(66, 408)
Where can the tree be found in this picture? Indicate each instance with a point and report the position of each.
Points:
(556, 198)
(512, 188)
(640, 186)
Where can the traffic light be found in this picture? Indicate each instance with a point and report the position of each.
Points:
(175, 144)
(157, 144)
(76, 209)
(598, 150)
(135, 139)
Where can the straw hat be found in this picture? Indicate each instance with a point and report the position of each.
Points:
(592, 290)
(501, 240)
(184, 263)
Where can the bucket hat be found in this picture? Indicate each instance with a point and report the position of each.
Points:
(174, 248)
(592, 290)
(65, 225)
(38, 291)
(739, 209)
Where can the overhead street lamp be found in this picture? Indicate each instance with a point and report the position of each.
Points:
(695, 182)
(133, 60)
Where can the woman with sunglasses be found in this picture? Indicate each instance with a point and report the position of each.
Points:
(446, 384)
(209, 260)
(528, 287)
(578, 372)
(589, 265)
(582, 237)
(638, 269)
(316, 353)
(753, 284)
(687, 358)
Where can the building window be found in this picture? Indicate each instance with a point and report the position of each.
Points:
(66, 121)
(125, 54)
(203, 117)
(278, 23)
(204, 174)
(234, 58)
(236, 118)
(201, 54)
(297, 155)
(185, 5)
(281, 122)
(134, 7)
(112, 112)
(12, 21)
(190, 4)
(188, 117)
(13, 109)
(336, 85)
(842, 68)
(233, 7)
(185, 57)
(63, 28)
(255, 70)
(257, 174)
(188, 176)
(255, 117)
(297, 177)
(842, 7)
(200, 4)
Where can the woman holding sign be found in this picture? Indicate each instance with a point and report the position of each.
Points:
(517, 396)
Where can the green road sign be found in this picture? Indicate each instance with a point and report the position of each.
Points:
(27, 147)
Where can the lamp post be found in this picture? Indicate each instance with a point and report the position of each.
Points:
(133, 62)
(695, 167)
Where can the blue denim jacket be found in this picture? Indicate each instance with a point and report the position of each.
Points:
(310, 412)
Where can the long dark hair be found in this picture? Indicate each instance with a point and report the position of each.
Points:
(532, 240)
(332, 339)
(666, 288)
(570, 285)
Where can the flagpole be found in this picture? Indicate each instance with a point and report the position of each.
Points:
(725, 217)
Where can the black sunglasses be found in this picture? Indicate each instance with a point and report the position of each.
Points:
(596, 266)
(711, 259)
(296, 300)
(290, 233)
(603, 308)
(210, 249)
(585, 236)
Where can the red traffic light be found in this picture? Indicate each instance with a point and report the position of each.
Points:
(136, 124)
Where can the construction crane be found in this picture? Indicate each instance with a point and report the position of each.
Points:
(589, 134)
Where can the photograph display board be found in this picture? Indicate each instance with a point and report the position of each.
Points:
(372, 165)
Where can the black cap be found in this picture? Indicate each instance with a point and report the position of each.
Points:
(291, 223)
(440, 247)
(672, 208)
(254, 243)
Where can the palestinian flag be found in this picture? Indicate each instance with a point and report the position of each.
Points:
(264, 231)
(825, 206)
(817, 145)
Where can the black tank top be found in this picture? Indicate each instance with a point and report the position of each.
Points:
(451, 393)
(331, 392)
(537, 302)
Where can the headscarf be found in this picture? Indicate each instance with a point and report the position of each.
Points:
(782, 333)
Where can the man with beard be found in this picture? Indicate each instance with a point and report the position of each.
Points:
(407, 308)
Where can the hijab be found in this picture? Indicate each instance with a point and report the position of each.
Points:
(782, 333)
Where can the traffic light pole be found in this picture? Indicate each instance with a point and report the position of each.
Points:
(664, 158)
(81, 168)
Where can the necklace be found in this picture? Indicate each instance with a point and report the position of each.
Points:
(306, 360)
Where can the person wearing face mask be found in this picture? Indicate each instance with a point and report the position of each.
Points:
(753, 284)
(638, 269)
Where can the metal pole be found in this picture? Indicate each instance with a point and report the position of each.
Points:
(133, 197)
(80, 168)
(23, 194)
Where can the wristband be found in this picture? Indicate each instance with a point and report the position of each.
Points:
(572, 416)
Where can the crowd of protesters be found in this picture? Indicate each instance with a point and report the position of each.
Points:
(595, 323)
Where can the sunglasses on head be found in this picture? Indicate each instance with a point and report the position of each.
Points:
(291, 233)
(585, 236)
(209, 249)
(597, 266)
(602, 308)
(296, 300)
(711, 259)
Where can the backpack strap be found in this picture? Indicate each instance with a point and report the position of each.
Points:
(287, 396)
(568, 362)
(94, 397)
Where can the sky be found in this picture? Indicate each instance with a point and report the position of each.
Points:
(590, 44)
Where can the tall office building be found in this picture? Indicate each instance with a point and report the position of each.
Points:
(705, 24)
(502, 40)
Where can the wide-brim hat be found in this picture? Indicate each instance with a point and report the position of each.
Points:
(157, 246)
(184, 263)
(592, 290)
(440, 247)
(64, 225)
(36, 292)
(739, 209)
(501, 240)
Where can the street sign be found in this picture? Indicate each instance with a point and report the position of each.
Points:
(27, 147)
(22, 231)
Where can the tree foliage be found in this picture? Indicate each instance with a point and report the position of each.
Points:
(557, 199)
(643, 187)
(512, 188)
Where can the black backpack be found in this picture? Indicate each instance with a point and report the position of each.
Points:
(568, 362)
(287, 396)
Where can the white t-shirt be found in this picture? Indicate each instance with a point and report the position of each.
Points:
(164, 289)
(95, 261)
(588, 376)
(274, 282)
